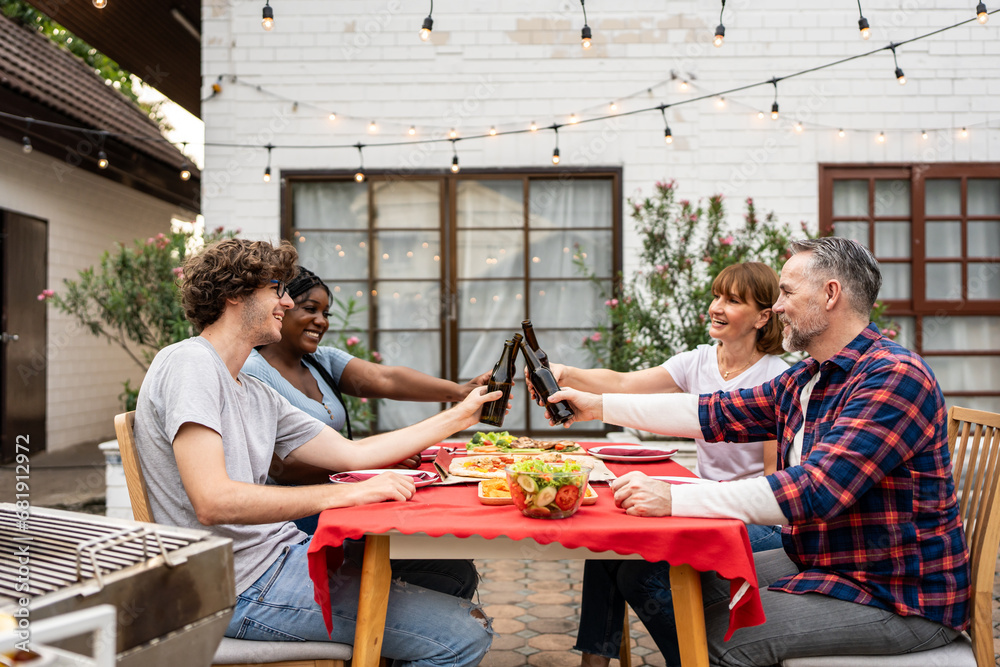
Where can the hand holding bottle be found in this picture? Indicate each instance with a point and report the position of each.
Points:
(584, 406)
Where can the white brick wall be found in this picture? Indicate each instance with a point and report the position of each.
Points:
(86, 215)
(507, 64)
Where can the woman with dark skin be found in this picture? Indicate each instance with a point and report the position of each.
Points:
(283, 366)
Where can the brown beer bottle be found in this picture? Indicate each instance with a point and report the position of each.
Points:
(529, 335)
(545, 385)
(501, 379)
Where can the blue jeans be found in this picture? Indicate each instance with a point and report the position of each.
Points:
(609, 584)
(423, 627)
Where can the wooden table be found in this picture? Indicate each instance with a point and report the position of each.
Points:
(448, 522)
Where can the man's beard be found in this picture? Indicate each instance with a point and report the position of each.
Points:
(799, 336)
(256, 322)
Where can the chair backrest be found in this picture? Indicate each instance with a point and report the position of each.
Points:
(125, 430)
(974, 445)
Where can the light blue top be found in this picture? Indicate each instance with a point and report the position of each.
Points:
(333, 360)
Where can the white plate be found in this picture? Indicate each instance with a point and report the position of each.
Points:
(682, 480)
(399, 471)
(596, 453)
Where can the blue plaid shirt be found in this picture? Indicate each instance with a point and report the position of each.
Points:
(874, 519)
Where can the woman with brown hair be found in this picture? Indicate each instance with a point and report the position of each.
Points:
(748, 336)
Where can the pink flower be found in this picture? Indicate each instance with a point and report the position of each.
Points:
(688, 261)
(892, 334)
(586, 339)
(685, 203)
(150, 241)
(637, 206)
(364, 400)
(728, 240)
(178, 272)
(702, 317)
(46, 294)
(220, 229)
(611, 303)
(376, 356)
(706, 259)
(353, 340)
(596, 336)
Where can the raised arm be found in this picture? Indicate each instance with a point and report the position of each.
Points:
(367, 380)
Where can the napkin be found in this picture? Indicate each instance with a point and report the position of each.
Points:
(429, 453)
(624, 451)
(346, 477)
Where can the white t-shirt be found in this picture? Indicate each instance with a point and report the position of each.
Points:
(697, 372)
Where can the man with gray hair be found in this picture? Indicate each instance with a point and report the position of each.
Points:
(874, 559)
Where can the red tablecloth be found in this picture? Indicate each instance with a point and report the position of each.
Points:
(705, 544)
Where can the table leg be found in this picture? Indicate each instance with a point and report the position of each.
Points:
(689, 613)
(373, 600)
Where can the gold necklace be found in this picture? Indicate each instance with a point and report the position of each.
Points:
(726, 374)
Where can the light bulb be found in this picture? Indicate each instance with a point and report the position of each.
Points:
(798, 127)
(425, 29)
(721, 102)
(981, 14)
(412, 131)
(100, 4)
(333, 116)
(613, 106)
(102, 160)
(453, 133)
(26, 145)
(774, 111)
(454, 164)
(185, 174)
(534, 126)
(866, 31)
(267, 20)
(720, 34)
(964, 133)
(372, 127)
(555, 156)
(923, 134)
(267, 174)
(359, 176)
(841, 133)
(683, 86)
(880, 138)
(667, 136)
(900, 77)
(760, 115)
(585, 37)
(493, 131)
(573, 118)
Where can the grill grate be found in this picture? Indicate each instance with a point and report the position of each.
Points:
(67, 549)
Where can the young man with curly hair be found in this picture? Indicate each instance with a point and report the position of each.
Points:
(206, 433)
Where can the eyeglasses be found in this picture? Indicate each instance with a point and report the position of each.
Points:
(279, 287)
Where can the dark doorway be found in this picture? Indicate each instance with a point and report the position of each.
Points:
(25, 258)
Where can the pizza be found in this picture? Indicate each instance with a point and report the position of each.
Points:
(504, 443)
(492, 466)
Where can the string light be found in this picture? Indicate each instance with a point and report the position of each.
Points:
(267, 169)
(923, 134)
(612, 107)
(981, 14)
(964, 133)
(585, 34)
(533, 127)
(774, 105)
(900, 77)
(454, 158)
(185, 166)
(428, 26)
(841, 133)
(333, 115)
(866, 31)
(760, 115)
(493, 131)
(26, 144)
(799, 128)
(555, 152)
(372, 127)
(573, 119)
(359, 175)
(100, 4)
(668, 136)
(683, 85)
(267, 17)
(720, 30)
(453, 134)
(721, 102)
(412, 131)
(880, 138)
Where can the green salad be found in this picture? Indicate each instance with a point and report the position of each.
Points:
(547, 490)
(501, 439)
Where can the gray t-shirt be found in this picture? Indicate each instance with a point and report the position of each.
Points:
(189, 382)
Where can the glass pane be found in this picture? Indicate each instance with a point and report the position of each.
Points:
(565, 303)
(339, 205)
(984, 239)
(350, 297)
(951, 333)
(907, 327)
(553, 252)
(850, 199)
(892, 239)
(478, 351)
(570, 203)
(419, 351)
(984, 280)
(895, 281)
(566, 347)
(407, 204)
(491, 203)
(856, 231)
(490, 304)
(944, 239)
(979, 373)
(943, 196)
(490, 254)
(414, 254)
(892, 198)
(409, 305)
(983, 196)
(944, 281)
(337, 255)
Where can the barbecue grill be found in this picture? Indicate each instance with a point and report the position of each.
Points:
(173, 587)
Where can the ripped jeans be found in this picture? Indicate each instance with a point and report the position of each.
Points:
(423, 627)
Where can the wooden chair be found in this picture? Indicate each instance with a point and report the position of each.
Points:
(974, 445)
(233, 652)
